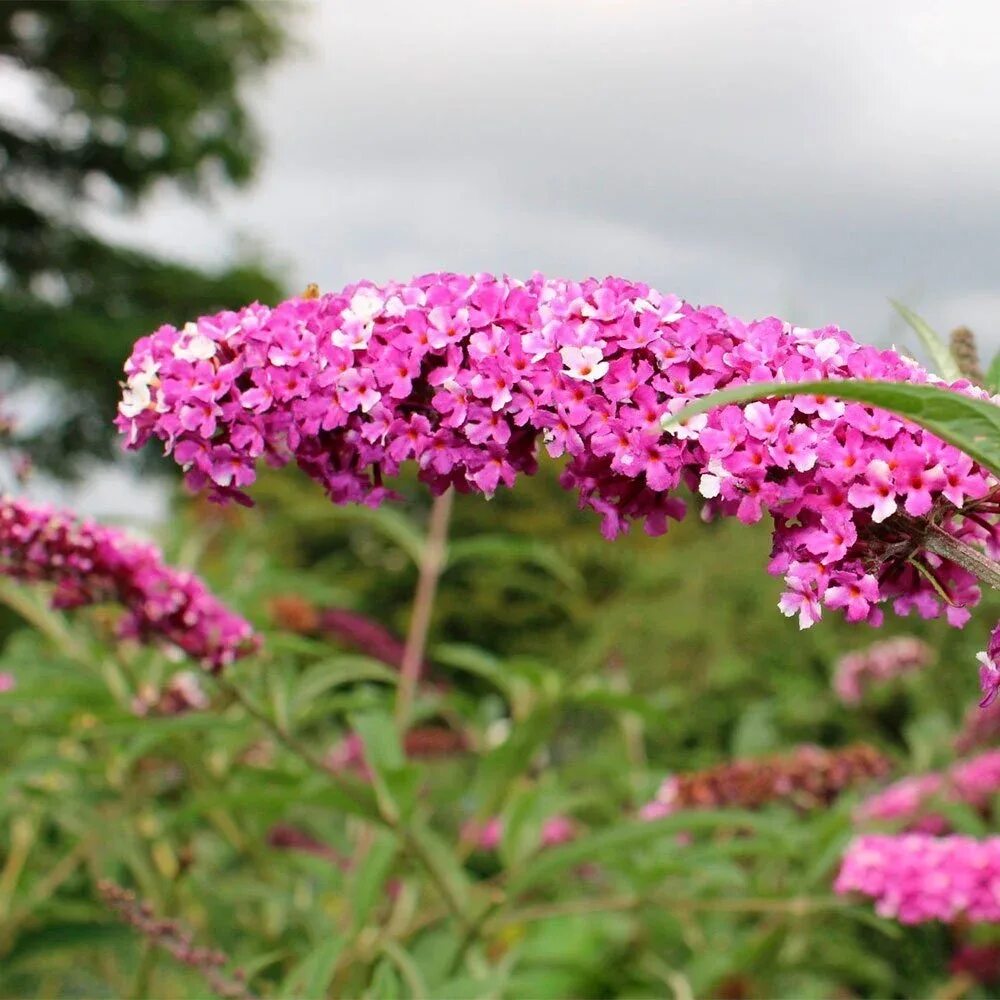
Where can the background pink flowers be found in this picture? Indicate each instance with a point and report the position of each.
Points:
(89, 564)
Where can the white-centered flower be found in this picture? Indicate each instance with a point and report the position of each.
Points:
(584, 364)
(366, 304)
(194, 345)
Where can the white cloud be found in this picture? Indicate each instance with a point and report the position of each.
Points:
(769, 156)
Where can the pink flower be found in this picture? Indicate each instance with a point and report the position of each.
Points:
(916, 878)
(855, 595)
(877, 664)
(7, 682)
(89, 564)
(875, 490)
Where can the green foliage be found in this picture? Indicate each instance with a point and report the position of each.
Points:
(579, 680)
(131, 95)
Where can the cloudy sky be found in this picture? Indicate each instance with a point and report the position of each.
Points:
(801, 158)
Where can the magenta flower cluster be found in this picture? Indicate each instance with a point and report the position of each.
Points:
(89, 564)
(974, 782)
(879, 662)
(915, 878)
(462, 374)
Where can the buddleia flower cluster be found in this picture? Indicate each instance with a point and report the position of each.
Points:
(974, 782)
(878, 663)
(466, 376)
(916, 878)
(89, 563)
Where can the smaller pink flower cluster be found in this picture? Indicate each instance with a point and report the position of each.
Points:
(973, 782)
(557, 829)
(7, 682)
(878, 663)
(89, 564)
(915, 878)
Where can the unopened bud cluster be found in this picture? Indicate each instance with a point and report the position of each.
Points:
(808, 778)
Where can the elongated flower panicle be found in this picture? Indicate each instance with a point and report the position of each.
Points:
(807, 778)
(462, 374)
(915, 878)
(90, 563)
(880, 662)
(973, 782)
(177, 941)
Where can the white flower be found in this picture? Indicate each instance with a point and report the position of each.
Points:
(354, 334)
(827, 348)
(584, 364)
(136, 396)
(194, 346)
(711, 481)
(690, 428)
(366, 304)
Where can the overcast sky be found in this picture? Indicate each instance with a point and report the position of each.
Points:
(802, 158)
(793, 157)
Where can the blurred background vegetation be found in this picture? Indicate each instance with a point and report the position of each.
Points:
(120, 97)
(576, 672)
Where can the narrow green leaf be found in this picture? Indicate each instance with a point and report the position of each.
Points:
(442, 856)
(628, 836)
(972, 425)
(388, 522)
(475, 661)
(495, 548)
(511, 759)
(408, 969)
(310, 979)
(395, 781)
(368, 880)
(335, 672)
(946, 366)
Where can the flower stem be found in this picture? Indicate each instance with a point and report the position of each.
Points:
(432, 562)
(969, 557)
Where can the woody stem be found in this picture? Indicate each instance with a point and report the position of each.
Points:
(977, 562)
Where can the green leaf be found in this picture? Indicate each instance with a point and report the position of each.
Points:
(972, 425)
(944, 363)
(442, 856)
(473, 660)
(408, 969)
(390, 523)
(494, 548)
(369, 878)
(310, 979)
(511, 759)
(335, 672)
(395, 780)
(628, 836)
